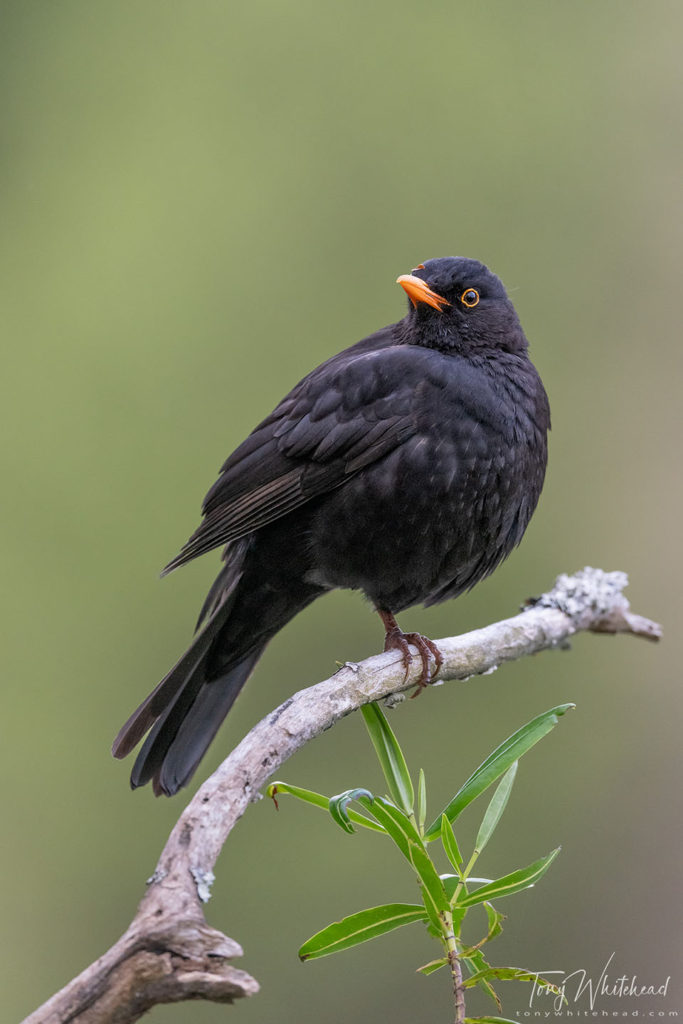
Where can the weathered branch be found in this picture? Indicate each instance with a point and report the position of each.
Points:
(169, 953)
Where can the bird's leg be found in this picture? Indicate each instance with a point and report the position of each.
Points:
(397, 640)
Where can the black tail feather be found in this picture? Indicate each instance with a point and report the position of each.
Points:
(180, 738)
(242, 612)
(165, 693)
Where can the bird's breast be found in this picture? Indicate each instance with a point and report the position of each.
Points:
(435, 515)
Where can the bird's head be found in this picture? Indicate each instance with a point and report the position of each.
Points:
(458, 303)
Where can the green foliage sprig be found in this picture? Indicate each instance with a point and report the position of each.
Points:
(446, 898)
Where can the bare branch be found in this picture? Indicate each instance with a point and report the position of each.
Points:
(169, 953)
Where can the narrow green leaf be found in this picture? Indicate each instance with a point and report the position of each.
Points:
(338, 805)
(407, 839)
(495, 928)
(512, 974)
(476, 964)
(495, 808)
(495, 920)
(497, 763)
(458, 915)
(501, 973)
(421, 801)
(307, 795)
(514, 882)
(450, 884)
(360, 927)
(395, 822)
(476, 961)
(433, 965)
(390, 757)
(450, 843)
(433, 891)
(317, 800)
(436, 924)
(489, 1020)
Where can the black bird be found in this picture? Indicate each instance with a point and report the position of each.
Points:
(407, 467)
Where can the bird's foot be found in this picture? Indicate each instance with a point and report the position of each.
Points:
(397, 640)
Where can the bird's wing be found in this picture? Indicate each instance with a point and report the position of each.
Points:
(345, 415)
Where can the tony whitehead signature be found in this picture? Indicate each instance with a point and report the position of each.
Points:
(573, 986)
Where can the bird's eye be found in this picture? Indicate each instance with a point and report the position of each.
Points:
(420, 266)
(470, 297)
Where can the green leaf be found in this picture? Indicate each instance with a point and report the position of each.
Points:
(435, 930)
(395, 822)
(450, 843)
(476, 963)
(497, 763)
(317, 800)
(489, 1020)
(495, 808)
(360, 927)
(421, 801)
(450, 884)
(495, 928)
(338, 805)
(458, 915)
(307, 795)
(407, 839)
(433, 892)
(495, 920)
(514, 882)
(433, 965)
(390, 757)
(512, 974)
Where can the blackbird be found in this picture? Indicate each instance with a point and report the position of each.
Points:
(407, 467)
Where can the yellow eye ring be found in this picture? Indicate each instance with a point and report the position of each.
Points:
(470, 297)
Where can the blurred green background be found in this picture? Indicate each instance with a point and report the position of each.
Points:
(199, 202)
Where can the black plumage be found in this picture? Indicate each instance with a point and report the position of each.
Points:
(407, 467)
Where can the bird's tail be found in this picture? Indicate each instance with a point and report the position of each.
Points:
(181, 735)
(247, 605)
(184, 712)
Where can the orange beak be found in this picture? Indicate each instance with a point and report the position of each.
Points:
(418, 291)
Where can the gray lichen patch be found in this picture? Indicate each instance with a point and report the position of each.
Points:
(203, 880)
(589, 590)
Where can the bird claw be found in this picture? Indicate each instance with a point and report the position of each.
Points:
(397, 640)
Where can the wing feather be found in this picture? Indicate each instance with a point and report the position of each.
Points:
(345, 415)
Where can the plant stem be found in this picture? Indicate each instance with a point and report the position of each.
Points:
(456, 970)
(463, 877)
